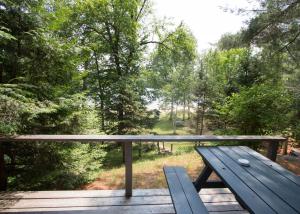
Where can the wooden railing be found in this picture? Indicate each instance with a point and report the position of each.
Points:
(273, 143)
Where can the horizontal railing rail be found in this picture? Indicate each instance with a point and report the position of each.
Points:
(273, 143)
(139, 138)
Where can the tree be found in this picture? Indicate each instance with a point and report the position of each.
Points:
(275, 29)
(275, 24)
(222, 74)
(230, 41)
(112, 32)
(254, 111)
(40, 92)
(203, 94)
(172, 64)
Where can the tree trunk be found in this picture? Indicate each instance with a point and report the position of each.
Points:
(101, 94)
(174, 124)
(140, 149)
(189, 110)
(202, 120)
(197, 117)
(84, 79)
(1, 73)
(184, 105)
(121, 128)
(172, 109)
(158, 148)
(102, 115)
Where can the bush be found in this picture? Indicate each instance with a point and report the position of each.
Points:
(261, 109)
(48, 166)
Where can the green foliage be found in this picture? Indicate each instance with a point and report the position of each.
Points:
(153, 119)
(6, 35)
(230, 41)
(275, 26)
(41, 93)
(229, 70)
(47, 165)
(275, 30)
(112, 39)
(184, 149)
(172, 68)
(261, 109)
(42, 166)
(23, 113)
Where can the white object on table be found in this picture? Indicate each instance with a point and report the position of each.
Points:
(244, 162)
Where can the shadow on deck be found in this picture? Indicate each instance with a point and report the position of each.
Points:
(217, 201)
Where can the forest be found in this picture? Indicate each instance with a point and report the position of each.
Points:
(95, 66)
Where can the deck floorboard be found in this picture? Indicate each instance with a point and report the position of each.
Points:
(217, 201)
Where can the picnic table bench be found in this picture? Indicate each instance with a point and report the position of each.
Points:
(263, 187)
(183, 193)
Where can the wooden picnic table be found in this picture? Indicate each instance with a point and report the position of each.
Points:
(263, 187)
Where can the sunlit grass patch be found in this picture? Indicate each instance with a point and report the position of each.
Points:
(147, 173)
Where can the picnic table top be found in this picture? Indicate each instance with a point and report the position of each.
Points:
(262, 187)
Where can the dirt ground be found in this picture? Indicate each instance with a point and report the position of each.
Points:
(289, 161)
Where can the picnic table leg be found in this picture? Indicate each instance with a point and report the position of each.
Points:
(202, 178)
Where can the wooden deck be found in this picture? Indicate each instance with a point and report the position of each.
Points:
(217, 201)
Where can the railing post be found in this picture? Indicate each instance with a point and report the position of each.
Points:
(128, 169)
(285, 147)
(3, 179)
(272, 150)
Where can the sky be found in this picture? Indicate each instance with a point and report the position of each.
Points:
(205, 18)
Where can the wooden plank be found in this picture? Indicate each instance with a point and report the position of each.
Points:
(179, 199)
(229, 158)
(288, 174)
(145, 209)
(166, 199)
(84, 202)
(191, 194)
(99, 193)
(82, 194)
(216, 191)
(139, 138)
(128, 169)
(280, 185)
(223, 206)
(215, 200)
(249, 198)
(213, 208)
(231, 212)
(218, 198)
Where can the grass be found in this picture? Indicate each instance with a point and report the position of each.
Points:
(148, 169)
(164, 126)
(147, 173)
